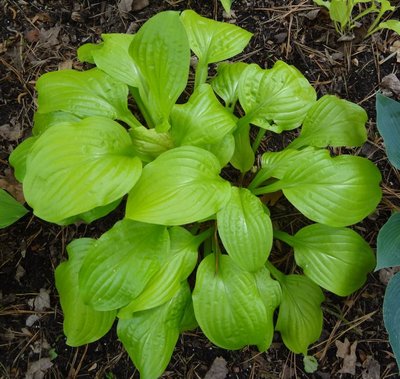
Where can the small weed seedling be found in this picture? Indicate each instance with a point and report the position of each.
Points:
(89, 152)
(347, 14)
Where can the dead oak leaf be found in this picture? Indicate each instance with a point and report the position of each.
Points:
(347, 351)
(217, 370)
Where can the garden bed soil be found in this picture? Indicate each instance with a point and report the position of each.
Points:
(39, 36)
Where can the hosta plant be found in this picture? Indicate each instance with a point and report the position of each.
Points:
(139, 131)
(388, 249)
(348, 14)
(10, 209)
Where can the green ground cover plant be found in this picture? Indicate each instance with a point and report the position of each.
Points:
(348, 14)
(10, 209)
(193, 247)
(388, 249)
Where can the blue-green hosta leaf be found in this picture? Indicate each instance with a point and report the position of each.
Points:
(337, 191)
(213, 41)
(43, 121)
(243, 156)
(388, 123)
(162, 56)
(121, 263)
(112, 56)
(179, 264)
(276, 99)
(150, 336)
(10, 209)
(76, 167)
(225, 84)
(245, 230)
(333, 122)
(388, 244)
(391, 314)
(148, 144)
(337, 259)
(202, 120)
(181, 186)
(18, 157)
(82, 324)
(300, 315)
(228, 305)
(391, 25)
(84, 94)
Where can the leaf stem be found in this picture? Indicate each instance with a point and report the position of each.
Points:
(257, 141)
(201, 74)
(143, 110)
(273, 187)
(283, 236)
(260, 178)
(131, 120)
(200, 238)
(278, 275)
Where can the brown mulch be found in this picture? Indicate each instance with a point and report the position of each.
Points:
(39, 36)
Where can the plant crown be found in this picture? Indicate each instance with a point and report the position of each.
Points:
(89, 152)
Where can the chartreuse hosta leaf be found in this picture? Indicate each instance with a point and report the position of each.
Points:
(181, 186)
(300, 315)
(333, 122)
(10, 209)
(245, 230)
(276, 99)
(121, 263)
(338, 259)
(18, 157)
(391, 314)
(388, 123)
(213, 41)
(43, 121)
(179, 263)
(162, 56)
(225, 84)
(223, 149)
(227, 5)
(243, 155)
(82, 324)
(336, 191)
(84, 93)
(202, 120)
(391, 25)
(73, 168)
(148, 144)
(230, 307)
(150, 336)
(388, 244)
(112, 56)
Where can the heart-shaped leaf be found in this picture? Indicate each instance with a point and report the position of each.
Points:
(84, 94)
(337, 259)
(300, 315)
(333, 122)
(162, 56)
(150, 336)
(120, 264)
(179, 187)
(276, 99)
(76, 167)
(228, 305)
(82, 324)
(337, 191)
(245, 230)
(213, 41)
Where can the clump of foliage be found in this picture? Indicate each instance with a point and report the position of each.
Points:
(388, 249)
(184, 223)
(347, 14)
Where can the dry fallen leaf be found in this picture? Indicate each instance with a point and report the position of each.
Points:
(125, 6)
(37, 370)
(11, 132)
(347, 351)
(49, 37)
(372, 369)
(14, 188)
(392, 83)
(41, 301)
(217, 370)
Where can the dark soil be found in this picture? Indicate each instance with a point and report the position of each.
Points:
(39, 36)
